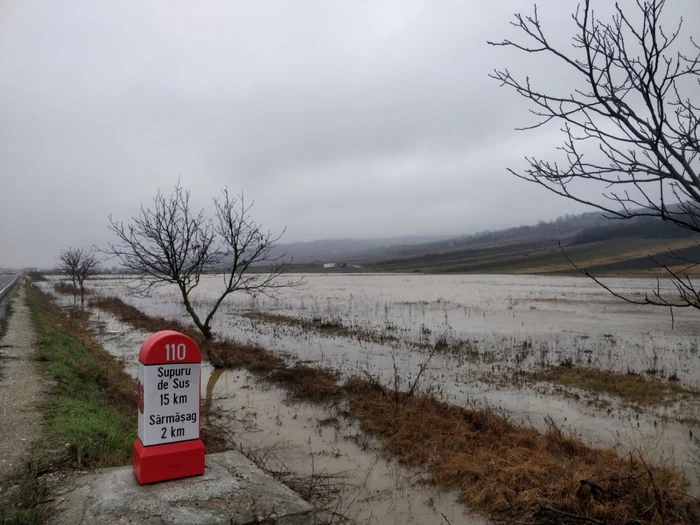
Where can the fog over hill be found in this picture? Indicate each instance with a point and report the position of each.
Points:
(338, 249)
(584, 230)
(351, 249)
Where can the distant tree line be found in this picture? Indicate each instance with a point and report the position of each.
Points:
(645, 227)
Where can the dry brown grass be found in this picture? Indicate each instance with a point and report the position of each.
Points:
(629, 387)
(516, 474)
(308, 383)
(330, 326)
(65, 287)
(251, 356)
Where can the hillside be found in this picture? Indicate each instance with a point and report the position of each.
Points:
(593, 241)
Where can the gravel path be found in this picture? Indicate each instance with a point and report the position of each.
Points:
(21, 389)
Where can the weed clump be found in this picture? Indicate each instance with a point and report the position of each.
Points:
(327, 323)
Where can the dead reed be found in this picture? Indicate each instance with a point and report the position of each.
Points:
(330, 326)
(308, 383)
(254, 357)
(516, 474)
(629, 387)
(65, 287)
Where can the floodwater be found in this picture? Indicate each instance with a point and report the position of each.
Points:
(324, 449)
(504, 324)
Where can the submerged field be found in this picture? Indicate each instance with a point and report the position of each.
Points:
(539, 350)
(490, 329)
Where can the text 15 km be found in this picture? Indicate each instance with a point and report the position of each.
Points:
(175, 352)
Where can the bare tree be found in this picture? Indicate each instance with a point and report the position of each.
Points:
(170, 243)
(629, 126)
(78, 265)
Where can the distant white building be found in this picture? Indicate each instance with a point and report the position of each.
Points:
(328, 265)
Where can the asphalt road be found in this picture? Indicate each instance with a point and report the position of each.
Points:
(5, 281)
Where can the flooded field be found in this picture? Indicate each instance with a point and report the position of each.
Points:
(559, 317)
(491, 331)
(321, 449)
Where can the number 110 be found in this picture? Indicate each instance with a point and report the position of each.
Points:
(175, 352)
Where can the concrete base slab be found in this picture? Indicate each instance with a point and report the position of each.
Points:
(232, 491)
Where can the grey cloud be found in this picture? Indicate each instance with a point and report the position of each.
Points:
(339, 118)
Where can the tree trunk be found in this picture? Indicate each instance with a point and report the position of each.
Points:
(75, 292)
(209, 351)
(82, 298)
(209, 392)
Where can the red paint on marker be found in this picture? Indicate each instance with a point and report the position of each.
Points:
(169, 444)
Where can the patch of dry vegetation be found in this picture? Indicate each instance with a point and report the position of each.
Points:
(65, 287)
(136, 318)
(516, 474)
(253, 357)
(629, 387)
(330, 326)
(308, 383)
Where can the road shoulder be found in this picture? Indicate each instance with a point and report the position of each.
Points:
(22, 388)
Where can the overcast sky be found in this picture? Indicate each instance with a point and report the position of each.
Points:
(340, 118)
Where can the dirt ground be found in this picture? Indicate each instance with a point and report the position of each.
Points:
(21, 389)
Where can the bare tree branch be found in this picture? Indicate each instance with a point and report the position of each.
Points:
(633, 104)
(170, 243)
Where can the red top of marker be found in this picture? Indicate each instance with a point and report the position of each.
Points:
(168, 347)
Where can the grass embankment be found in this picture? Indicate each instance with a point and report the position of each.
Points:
(515, 474)
(508, 472)
(90, 416)
(6, 312)
(91, 409)
(629, 387)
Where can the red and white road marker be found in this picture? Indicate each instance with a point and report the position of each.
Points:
(168, 445)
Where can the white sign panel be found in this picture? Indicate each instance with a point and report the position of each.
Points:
(170, 403)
